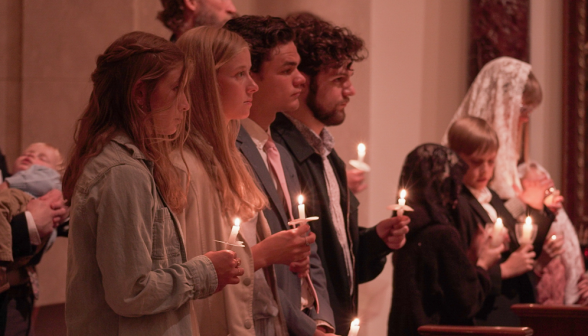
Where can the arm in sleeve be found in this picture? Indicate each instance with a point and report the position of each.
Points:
(371, 255)
(464, 285)
(543, 218)
(126, 231)
(319, 281)
(14, 240)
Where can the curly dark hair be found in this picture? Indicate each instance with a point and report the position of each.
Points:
(263, 33)
(172, 15)
(322, 45)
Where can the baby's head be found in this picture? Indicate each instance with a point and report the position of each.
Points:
(476, 142)
(39, 153)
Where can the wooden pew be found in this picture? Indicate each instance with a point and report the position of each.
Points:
(440, 330)
(553, 320)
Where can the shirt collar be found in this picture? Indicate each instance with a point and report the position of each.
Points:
(257, 134)
(126, 142)
(322, 143)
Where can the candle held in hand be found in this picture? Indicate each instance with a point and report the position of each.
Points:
(354, 330)
(234, 231)
(527, 231)
(301, 210)
(401, 200)
(360, 152)
(497, 233)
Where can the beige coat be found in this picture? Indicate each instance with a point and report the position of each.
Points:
(228, 312)
(12, 202)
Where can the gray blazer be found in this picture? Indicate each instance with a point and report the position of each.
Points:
(298, 322)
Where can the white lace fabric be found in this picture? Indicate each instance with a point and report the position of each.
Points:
(496, 96)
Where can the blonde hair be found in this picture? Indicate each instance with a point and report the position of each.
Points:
(471, 135)
(207, 49)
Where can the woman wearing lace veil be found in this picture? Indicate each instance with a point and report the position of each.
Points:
(438, 279)
(504, 93)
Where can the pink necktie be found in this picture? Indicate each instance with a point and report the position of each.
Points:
(273, 158)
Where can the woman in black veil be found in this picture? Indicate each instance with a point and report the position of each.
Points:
(440, 275)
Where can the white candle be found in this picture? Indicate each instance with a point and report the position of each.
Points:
(527, 231)
(354, 328)
(497, 236)
(401, 200)
(234, 231)
(360, 152)
(301, 211)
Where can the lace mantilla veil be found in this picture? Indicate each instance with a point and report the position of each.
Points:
(496, 96)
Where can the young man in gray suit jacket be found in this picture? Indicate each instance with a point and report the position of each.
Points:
(304, 298)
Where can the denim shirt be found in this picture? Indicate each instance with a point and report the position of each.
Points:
(127, 271)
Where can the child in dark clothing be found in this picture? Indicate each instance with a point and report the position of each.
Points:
(474, 140)
(436, 279)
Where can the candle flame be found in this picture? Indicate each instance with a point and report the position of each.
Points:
(403, 193)
(300, 199)
(361, 148)
(499, 221)
(528, 220)
(355, 323)
(237, 221)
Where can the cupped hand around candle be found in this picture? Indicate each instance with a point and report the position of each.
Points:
(519, 262)
(481, 248)
(284, 247)
(226, 264)
(393, 231)
(552, 248)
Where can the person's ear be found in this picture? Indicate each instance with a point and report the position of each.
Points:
(140, 94)
(190, 5)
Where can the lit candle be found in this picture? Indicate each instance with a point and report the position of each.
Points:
(401, 200)
(354, 328)
(360, 152)
(301, 211)
(527, 231)
(234, 231)
(401, 206)
(497, 235)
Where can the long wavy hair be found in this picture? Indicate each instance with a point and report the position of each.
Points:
(207, 49)
(113, 109)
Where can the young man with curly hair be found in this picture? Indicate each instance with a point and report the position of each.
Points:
(350, 254)
(182, 15)
(274, 62)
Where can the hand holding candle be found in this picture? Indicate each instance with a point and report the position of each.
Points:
(359, 163)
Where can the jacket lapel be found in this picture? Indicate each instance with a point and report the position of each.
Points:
(478, 208)
(249, 150)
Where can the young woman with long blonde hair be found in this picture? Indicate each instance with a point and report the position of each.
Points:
(222, 189)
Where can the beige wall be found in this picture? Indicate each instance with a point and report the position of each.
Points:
(407, 90)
